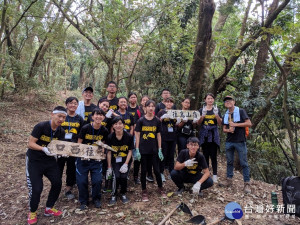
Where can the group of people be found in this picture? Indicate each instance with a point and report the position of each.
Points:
(143, 136)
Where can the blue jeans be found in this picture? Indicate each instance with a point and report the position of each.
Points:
(83, 167)
(241, 149)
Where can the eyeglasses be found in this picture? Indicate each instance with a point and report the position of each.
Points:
(72, 103)
(112, 86)
(228, 101)
(194, 144)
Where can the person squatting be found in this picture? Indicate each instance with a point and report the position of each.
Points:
(144, 136)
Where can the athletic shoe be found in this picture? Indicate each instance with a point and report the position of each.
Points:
(247, 188)
(145, 196)
(69, 195)
(52, 212)
(137, 180)
(83, 207)
(162, 192)
(112, 201)
(97, 203)
(163, 179)
(179, 191)
(226, 183)
(32, 218)
(150, 179)
(215, 179)
(124, 199)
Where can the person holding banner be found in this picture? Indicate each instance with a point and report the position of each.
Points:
(148, 148)
(118, 163)
(209, 135)
(41, 162)
(89, 134)
(72, 126)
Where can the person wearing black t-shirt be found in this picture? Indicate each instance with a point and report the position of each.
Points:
(112, 95)
(188, 169)
(126, 116)
(168, 137)
(133, 107)
(165, 93)
(72, 126)
(86, 107)
(89, 134)
(148, 147)
(41, 162)
(122, 142)
(209, 135)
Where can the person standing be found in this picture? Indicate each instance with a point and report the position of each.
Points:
(168, 138)
(126, 116)
(234, 123)
(72, 126)
(133, 107)
(165, 93)
(185, 127)
(118, 162)
(86, 107)
(209, 135)
(148, 147)
(112, 89)
(41, 162)
(89, 134)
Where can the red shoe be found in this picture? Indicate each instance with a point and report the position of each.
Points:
(32, 218)
(52, 212)
(145, 196)
(162, 192)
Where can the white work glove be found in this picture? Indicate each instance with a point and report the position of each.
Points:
(216, 110)
(190, 162)
(165, 116)
(185, 119)
(196, 188)
(47, 152)
(108, 172)
(195, 120)
(109, 113)
(178, 120)
(204, 111)
(124, 168)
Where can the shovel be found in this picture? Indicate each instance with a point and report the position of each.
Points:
(183, 207)
(201, 220)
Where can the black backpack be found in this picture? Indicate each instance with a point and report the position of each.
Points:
(291, 194)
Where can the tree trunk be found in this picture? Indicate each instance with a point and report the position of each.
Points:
(196, 78)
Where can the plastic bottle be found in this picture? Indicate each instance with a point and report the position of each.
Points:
(108, 184)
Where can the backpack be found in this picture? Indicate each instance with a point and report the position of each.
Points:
(291, 194)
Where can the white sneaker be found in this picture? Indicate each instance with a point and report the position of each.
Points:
(215, 178)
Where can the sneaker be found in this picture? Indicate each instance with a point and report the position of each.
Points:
(137, 180)
(83, 207)
(69, 195)
(179, 191)
(163, 177)
(112, 201)
(150, 179)
(215, 179)
(226, 183)
(247, 188)
(124, 199)
(97, 203)
(162, 192)
(145, 196)
(32, 218)
(52, 212)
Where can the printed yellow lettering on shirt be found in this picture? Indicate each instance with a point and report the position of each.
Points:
(93, 137)
(114, 107)
(103, 123)
(148, 128)
(46, 138)
(121, 150)
(71, 124)
(128, 121)
(133, 113)
(73, 130)
(192, 169)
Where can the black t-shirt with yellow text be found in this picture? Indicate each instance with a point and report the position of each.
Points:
(44, 133)
(128, 119)
(133, 112)
(72, 125)
(168, 127)
(148, 134)
(89, 135)
(197, 167)
(121, 146)
(210, 118)
(88, 111)
(113, 103)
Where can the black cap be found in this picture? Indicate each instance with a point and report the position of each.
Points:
(228, 97)
(88, 89)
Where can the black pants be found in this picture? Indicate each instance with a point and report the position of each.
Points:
(147, 161)
(70, 171)
(120, 179)
(181, 142)
(180, 177)
(35, 170)
(168, 149)
(136, 168)
(210, 150)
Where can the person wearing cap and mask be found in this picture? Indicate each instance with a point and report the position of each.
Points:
(41, 162)
(234, 122)
(86, 107)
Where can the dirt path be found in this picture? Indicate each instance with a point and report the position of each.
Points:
(16, 123)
